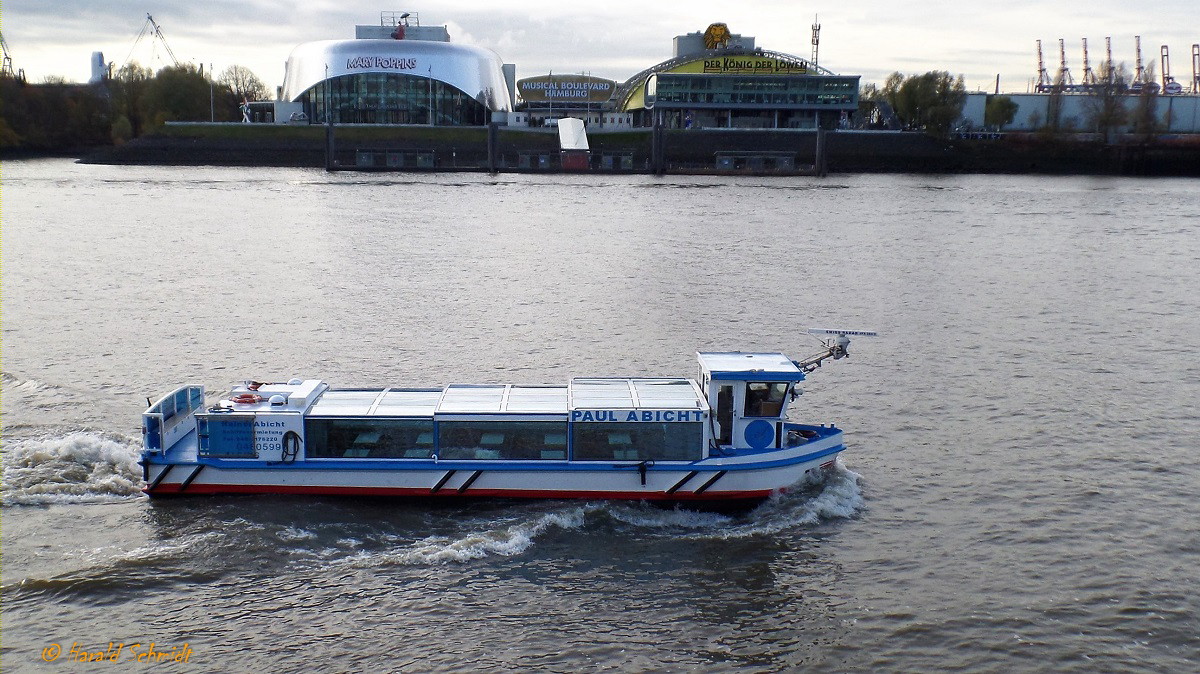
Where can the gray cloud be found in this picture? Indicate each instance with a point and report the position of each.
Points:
(614, 40)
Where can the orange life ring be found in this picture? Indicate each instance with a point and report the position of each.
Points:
(247, 398)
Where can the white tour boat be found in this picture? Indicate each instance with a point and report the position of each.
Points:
(723, 438)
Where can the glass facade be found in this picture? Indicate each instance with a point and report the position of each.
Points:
(392, 98)
(777, 92)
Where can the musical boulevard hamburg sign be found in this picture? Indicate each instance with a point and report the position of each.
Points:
(566, 89)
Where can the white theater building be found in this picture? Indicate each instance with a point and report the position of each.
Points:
(398, 72)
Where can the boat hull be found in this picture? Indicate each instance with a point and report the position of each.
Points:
(732, 480)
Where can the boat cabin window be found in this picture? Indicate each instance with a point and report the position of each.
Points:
(622, 441)
(368, 438)
(765, 399)
(529, 440)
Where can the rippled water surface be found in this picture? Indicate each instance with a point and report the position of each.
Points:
(1021, 490)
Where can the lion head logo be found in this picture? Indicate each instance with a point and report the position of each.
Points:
(717, 36)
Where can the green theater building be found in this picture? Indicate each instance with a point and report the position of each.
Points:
(720, 80)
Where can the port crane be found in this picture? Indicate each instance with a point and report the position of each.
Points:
(1043, 83)
(151, 27)
(1169, 85)
(1139, 73)
(1196, 69)
(1089, 77)
(1063, 80)
(1141, 80)
(8, 62)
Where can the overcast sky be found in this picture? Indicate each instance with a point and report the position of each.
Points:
(616, 38)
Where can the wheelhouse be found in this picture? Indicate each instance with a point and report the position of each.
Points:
(750, 394)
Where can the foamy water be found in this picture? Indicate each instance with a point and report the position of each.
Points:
(505, 541)
(81, 467)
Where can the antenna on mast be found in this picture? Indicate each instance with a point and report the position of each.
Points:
(816, 38)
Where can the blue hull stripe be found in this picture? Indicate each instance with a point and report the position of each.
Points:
(412, 465)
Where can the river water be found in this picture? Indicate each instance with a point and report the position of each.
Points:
(1019, 492)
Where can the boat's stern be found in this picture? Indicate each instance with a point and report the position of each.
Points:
(164, 425)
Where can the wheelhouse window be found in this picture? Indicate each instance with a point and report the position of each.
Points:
(620, 441)
(529, 440)
(369, 438)
(765, 399)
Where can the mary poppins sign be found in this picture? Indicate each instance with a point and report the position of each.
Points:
(380, 63)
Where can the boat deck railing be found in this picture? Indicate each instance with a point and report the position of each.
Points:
(171, 418)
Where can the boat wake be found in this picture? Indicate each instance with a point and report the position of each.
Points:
(80, 467)
(34, 394)
(505, 541)
(838, 495)
(14, 384)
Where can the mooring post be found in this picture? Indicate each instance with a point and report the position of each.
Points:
(655, 161)
(329, 149)
(658, 146)
(819, 159)
(492, 142)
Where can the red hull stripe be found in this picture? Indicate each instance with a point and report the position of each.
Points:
(170, 489)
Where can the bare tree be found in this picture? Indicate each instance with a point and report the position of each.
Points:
(243, 84)
(1054, 109)
(1105, 103)
(1145, 113)
(891, 89)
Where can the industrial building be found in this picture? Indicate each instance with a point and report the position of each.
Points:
(1077, 112)
(1071, 102)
